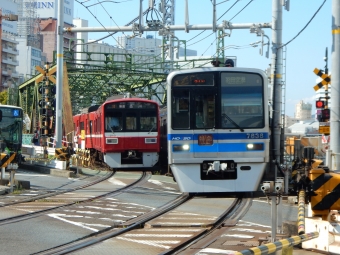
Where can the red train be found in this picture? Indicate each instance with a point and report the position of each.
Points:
(123, 133)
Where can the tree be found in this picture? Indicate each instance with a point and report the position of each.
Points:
(3, 97)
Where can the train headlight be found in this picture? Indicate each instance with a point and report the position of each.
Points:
(186, 147)
(182, 147)
(255, 146)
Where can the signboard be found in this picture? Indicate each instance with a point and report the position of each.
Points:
(324, 130)
(8, 7)
(49, 9)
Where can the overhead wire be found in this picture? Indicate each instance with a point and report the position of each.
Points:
(304, 26)
(241, 9)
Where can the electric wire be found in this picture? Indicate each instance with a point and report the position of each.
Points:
(304, 26)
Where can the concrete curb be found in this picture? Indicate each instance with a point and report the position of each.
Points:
(47, 170)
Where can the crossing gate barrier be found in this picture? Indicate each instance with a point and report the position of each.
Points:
(7, 158)
(83, 156)
(64, 154)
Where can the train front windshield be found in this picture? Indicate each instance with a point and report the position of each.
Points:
(131, 117)
(11, 122)
(227, 100)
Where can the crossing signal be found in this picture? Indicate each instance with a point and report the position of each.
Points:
(320, 104)
(325, 115)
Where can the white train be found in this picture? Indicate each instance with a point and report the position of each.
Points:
(218, 129)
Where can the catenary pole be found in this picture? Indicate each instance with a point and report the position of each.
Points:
(335, 93)
(60, 53)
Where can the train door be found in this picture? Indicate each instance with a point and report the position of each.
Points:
(204, 122)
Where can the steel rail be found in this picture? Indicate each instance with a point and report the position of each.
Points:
(235, 211)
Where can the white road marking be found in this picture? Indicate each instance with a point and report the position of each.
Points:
(151, 243)
(79, 224)
(116, 182)
(157, 235)
(33, 175)
(216, 251)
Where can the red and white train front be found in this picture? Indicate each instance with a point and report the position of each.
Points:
(124, 133)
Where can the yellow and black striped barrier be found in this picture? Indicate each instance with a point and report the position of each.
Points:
(326, 188)
(83, 156)
(285, 245)
(64, 154)
(301, 213)
(7, 158)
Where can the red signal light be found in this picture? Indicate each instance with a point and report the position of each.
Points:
(325, 114)
(319, 104)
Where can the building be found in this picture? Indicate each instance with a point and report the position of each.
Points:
(303, 128)
(150, 45)
(31, 56)
(303, 111)
(8, 47)
(48, 30)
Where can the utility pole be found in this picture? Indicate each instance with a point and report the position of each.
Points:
(335, 102)
(60, 65)
(9, 17)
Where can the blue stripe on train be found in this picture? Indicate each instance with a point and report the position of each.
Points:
(222, 136)
(219, 147)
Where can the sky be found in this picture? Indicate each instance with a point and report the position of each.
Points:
(302, 55)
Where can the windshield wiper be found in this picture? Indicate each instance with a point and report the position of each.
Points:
(236, 125)
(151, 129)
(113, 132)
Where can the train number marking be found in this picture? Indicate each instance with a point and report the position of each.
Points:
(186, 138)
(176, 138)
(255, 136)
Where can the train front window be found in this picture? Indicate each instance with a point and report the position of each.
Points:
(11, 128)
(133, 116)
(242, 100)
(180, 109)
(131, 121)
(114, 122)
(205, 110)
(148, 121)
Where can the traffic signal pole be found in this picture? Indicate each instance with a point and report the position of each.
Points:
(335, 102)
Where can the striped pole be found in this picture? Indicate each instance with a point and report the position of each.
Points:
(301, 213)
(278, 245)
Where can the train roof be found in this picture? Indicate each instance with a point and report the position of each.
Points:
(130, 99)
(10, 106)
(217, 69)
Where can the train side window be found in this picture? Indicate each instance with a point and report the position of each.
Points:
(90, 125)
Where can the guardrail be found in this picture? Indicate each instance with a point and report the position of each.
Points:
(284, 244)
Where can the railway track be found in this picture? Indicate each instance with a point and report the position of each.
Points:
(108, 210)
(37, 194)
(57, 200)
(172, 229)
